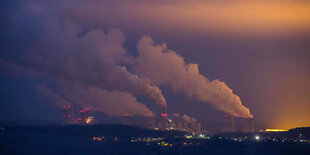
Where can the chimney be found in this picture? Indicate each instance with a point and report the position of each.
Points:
(164, 120)
(231, 120)
(248, 125)
(164, 113)
(233, 129)
(68, 114)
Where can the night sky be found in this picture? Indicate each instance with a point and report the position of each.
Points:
(129, 56)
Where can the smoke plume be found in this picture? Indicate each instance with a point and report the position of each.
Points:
(112, 103)
(115, 102)
(94, 63)
(93, 60)
(165, 67)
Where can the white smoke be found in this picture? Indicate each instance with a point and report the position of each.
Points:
(165, 67)
(115, 102)
(92, 60)
(112, 103)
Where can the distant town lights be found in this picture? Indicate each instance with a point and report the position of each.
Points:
(257, 137)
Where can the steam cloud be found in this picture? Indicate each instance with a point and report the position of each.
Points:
(111, 103)
(92, 69)
(166, 67)
(128, 103)
(92, 65)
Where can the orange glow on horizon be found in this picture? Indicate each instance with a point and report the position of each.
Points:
(276, 130)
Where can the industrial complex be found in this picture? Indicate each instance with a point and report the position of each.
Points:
(164, 121)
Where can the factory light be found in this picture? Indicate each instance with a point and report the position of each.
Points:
(188, 137)
(89, 119)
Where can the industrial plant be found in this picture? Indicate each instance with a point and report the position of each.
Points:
(163, 121)
(84, 116)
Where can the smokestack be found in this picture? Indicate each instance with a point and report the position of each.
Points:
(198, 127)
(233, 124)
(68, 114)
(248, 125)
(179, 125)
(164, 118)
(164, 113)
(231, 120)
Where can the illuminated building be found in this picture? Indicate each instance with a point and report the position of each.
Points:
(85, 116)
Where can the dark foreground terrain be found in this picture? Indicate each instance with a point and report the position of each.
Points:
(114, 139)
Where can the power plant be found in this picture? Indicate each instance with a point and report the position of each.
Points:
(83, 117)
(162, 122)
